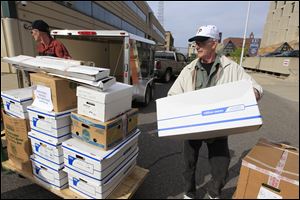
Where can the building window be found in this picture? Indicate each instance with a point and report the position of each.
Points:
(136, 9)
(140, 33)
(84, 7)
(293, 7)
(106, 16)
(284, 2)
(281, 12)
(158, 31)
(275, 5)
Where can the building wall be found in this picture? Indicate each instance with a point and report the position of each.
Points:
(78, 15)
(282, 24)
(169, 44)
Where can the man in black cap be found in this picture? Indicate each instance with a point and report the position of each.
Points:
(47, 46)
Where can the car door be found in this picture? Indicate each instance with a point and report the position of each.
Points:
(181, 62)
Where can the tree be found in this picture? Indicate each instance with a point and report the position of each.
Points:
(236, 54)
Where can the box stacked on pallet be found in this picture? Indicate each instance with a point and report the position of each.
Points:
(104, 146)
(94, 173)
(50, 128)
(16, 101)
(16, 125)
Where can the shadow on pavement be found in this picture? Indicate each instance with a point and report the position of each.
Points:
(29, 192)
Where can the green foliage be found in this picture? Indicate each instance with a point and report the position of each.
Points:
(236, 54)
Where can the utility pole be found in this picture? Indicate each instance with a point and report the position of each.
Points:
(160, 13)
(244, 41)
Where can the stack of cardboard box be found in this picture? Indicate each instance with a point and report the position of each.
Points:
(50, 128)
(16, 125)
(104, 146)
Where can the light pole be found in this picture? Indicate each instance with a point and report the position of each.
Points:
(244, 41)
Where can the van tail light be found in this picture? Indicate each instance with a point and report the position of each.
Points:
(158, 65)
(87, 33)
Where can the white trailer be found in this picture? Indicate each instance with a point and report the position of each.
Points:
(129, 57)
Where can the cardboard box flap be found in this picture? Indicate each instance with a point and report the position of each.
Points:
(267, 155)
(82, 69)
(16, 60)
(102, 84)
(51, 113)
(19, 95)
(115, 92)
(96, 152)
(44, 139)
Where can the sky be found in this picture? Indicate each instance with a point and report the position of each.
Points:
(183, 18)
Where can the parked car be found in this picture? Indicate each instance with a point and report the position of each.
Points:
(294, 53)
(168, 64)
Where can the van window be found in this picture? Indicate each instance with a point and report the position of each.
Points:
(180, 57)
(164, 55)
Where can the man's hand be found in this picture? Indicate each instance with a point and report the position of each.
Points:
(257, 95)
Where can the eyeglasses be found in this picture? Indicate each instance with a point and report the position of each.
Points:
(203, 43)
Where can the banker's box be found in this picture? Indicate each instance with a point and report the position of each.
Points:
(15, 101)
(63, 91)
(104, 106)
(105, 135)
(48, 176)
(209, 113)
(48, 149)
(269, 171)
(18, 143)
(95, 165)
(89, 190)
(53, 124)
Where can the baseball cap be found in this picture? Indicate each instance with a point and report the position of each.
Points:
(40, 25)
(206, 32)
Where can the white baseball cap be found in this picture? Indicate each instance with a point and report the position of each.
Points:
(206, 32)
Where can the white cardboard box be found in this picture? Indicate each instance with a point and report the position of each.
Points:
(90, 191)
(92, 162)
(50, 149)
(208, 113)
(56, 125)
(16, 101)
(106, 105)
(50, 177)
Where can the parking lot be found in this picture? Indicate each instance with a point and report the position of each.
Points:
(279, 108)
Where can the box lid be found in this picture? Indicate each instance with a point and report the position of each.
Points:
(44, 138)
(99, 124)
(50, 113)
(269, 155)
(19, 95)
(205, 98)
(113, 93)
(94, 152)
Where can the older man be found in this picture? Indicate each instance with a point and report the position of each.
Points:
(209, 69)
(47, 46)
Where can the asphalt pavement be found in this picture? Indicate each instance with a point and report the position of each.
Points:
(163, 156)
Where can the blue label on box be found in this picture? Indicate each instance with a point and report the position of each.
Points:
(75, 181)
(37, 170)
(71, 160)
(34, 121)
(37, 146)
(8, 105)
